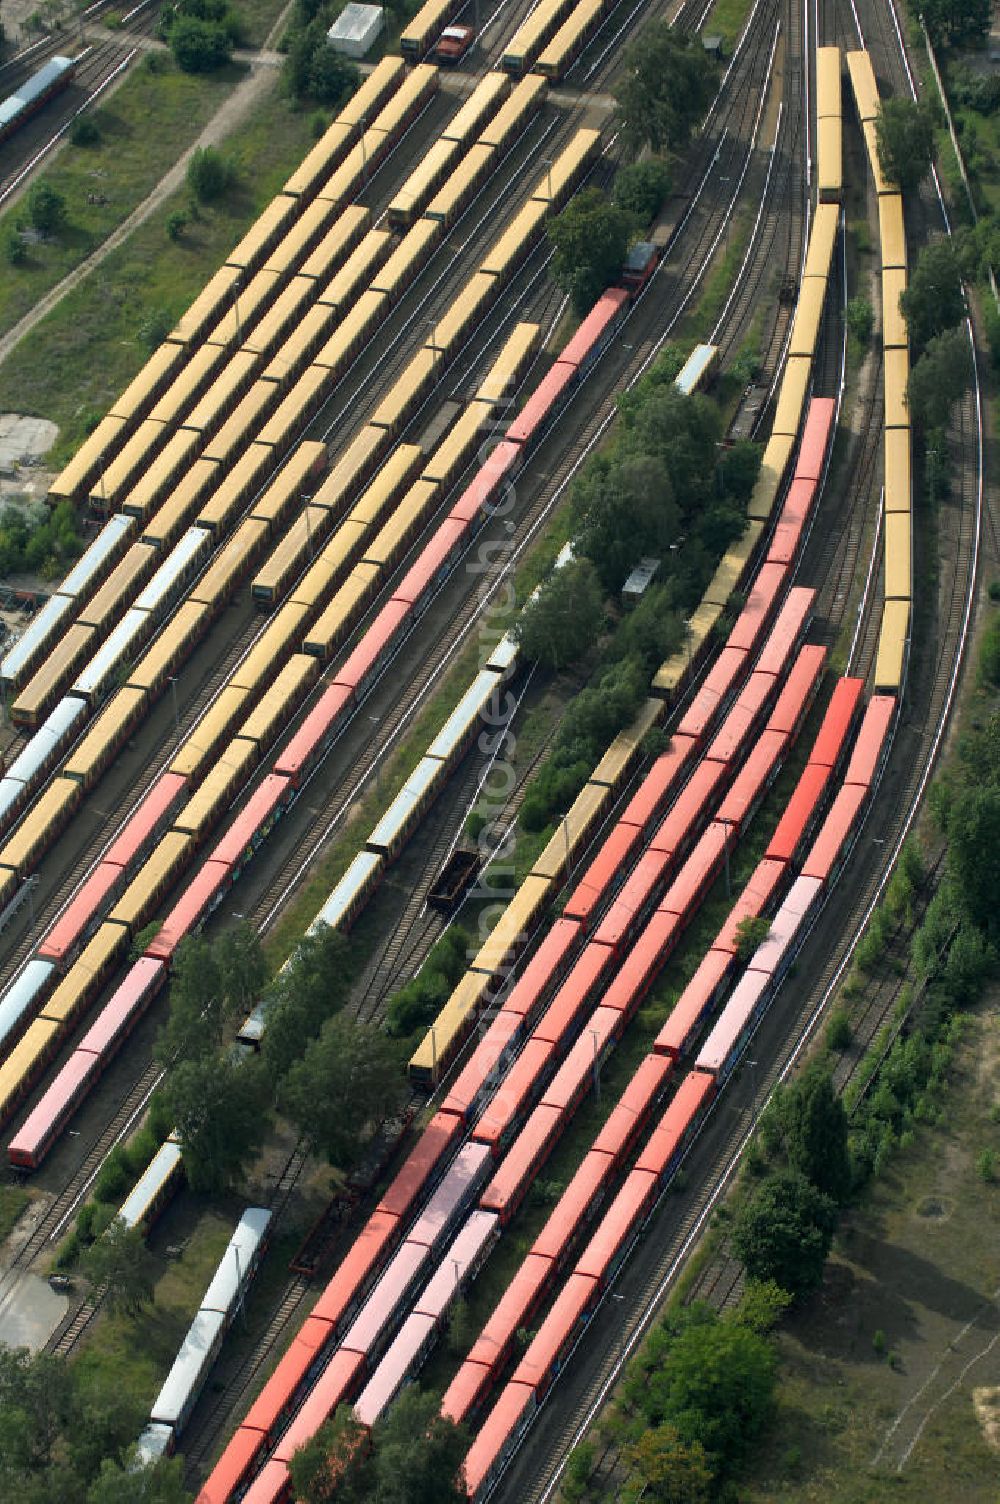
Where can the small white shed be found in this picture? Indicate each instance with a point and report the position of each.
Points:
(356, 28)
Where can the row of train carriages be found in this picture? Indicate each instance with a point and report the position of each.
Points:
(547, 43)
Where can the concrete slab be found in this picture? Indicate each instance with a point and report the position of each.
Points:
(23, 441)
(30, 1310)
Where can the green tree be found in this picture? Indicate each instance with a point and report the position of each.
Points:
(974, 855)
(208, 174)
(347, 1079)
(934, 300)
(624, 508)
(197, 1004)
(671, 1470)
(938, 380)
(860, 320)
(46, 209)
(664, 88)
(199, 46)
(750, 933)
(332, 77)
(121, 1261)
(15, 247)
(243, 967)
(590, 238)
(176, 224)
(565, 618)
(905, 135)
(334, 1465)
(303, 996)
(161, 1483)
(807, 1121)
(220, 1108)
(784, 1230)
(956, 23)
(641, 188)
(419, 1453)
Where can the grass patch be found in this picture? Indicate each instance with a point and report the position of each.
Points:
(144, 127)
(13, 1200)
(719, 282)
(72, 366)
(258, 18)
(726, 20)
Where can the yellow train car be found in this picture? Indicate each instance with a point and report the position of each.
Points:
(558, 55)
(315, 584)
(408, 259)
(314, 222)
(420, 187)
(355, 171)
(353, 333)
(94, 455)
(43, 689)
(526, 99)
(724, 581)
(26, 1061)
(882, 183)
(49, 814)
(156, 482)
(894, 330)
(298, 407)
(459, 447)
(514, 927)
(277, 706)
(381, 496)
(406, 102)
(300, 473)
(213, 299)
(446, 1034)
(332, 565)
(517, 241)
(830, 160)
(420, 34)
(227, 502)
(159, 371)
(190, 384)
(829, 100)
(898, 557)
(173, 516)
(268, 229)
(473, 302)
(282, 638)
(119, 589)
(792, 395)
(896, 366)
(558, 859)
(217, 402)
(673, 672)
(334, 624)
(356, 273)
(381, 82)
(412, 514)
(106, 734)
(243, 423)
(893, 648)
(892, 231)
(808, 317)
(247, 307)
(187, 625)
(625, 750)
(232, 563)
(410, 389)
(560, 179)
(200, 748)
(292, 357)
(349, 472)
(218, 790)
(481, 105)
(281, 318)
(337, 244)
(863, 85)
(822, 240)
(302, 541)
(507, 371)
(153, 881)
(739, 554)
(898, 492)
(317, 165)
(530, 38)
(83, 980)
(451, 200)
(773, 467)
(110, 487)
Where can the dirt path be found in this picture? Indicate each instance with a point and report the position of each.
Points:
(230, 114)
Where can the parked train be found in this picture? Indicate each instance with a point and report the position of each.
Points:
(50, 79)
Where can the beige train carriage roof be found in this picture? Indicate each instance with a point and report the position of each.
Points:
(828, 82)
(314, 222)
(181, 392)
(62, 658)
(337, 244)
(104, 438)
(345, 473)
(310, 391)
(896, 366)
(288, 360)
(830, 157)
(574, 828)
(38, 1037)
(99, 952)
(891, 229)
(724, 581)
(244, 308)
(415, 87)
(408, 258)
(267, 229)
(468, 997)
(49, 807)
(207, 305)
(229, 564)
(406, 391)
(524, 99)
(186, 624)
(476, 164)
(238, 485)
(882, 183)
(488, 94)
(320, 161)
(352, 174)
(411, 512)
(566, 40)
(808, 317)
(323, 638)
(423, 181)
(106, 606)
(567, 167)
(383, 78)
(157, 479)
(459, 444)
(319, 578)
(222, 781)
(898, 577)
(294, 474)
(530, 35)
(792, 396)
(242, 424)
(235, 376)
(742, 550)
(285, 631)
(345, 545)
(892, 644)
(822, 239)
(290, 303)
(108, 728)
(426, 25)
(617, 760)
(358, 270)
(287, 690)
(862, 76)
(288, 556)
(514, 925)
(476, 297)
(506, 371)
(897, 470)
(129, 459)
(523, 230)
(777, 453)
(164, 363)
(185, 496)
(894, 330)
(155, 876)
(379, 496)
(201, 743)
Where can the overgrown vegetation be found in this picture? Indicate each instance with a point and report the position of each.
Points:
(666, 83)
(416, 1005)
(414, 1456)
(313, 70)
(39, 539)
(201, 34)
